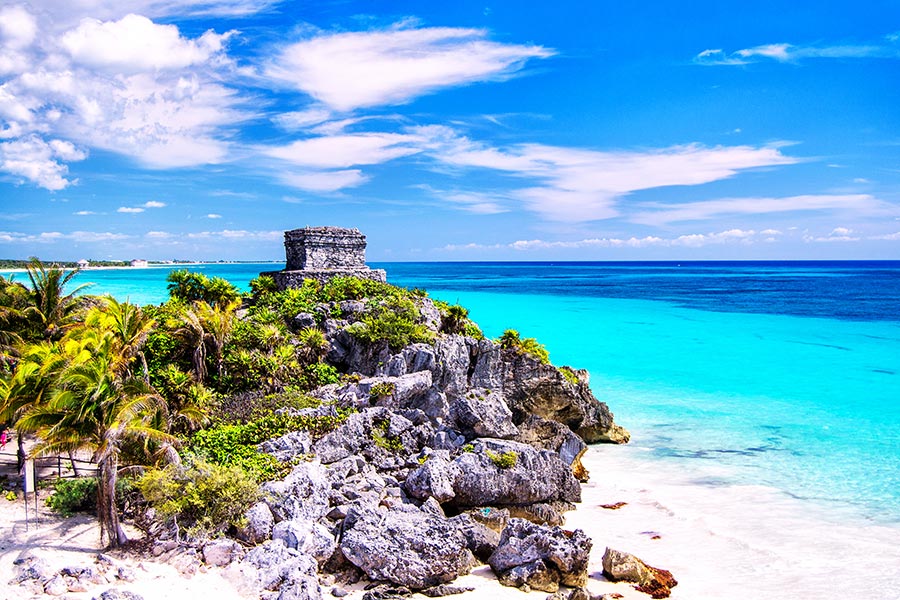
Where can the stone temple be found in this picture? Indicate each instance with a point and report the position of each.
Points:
(321, 253)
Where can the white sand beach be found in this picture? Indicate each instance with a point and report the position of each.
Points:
(732, 543)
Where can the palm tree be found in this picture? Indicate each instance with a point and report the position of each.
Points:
(455, 321)
(192, 334)
(50, 306)
(97, 405)
(130, 328)
(218, 321)
(13, 297)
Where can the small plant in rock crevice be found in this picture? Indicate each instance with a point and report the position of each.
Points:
(503, 460)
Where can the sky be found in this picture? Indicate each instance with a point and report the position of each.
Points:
(452, 131)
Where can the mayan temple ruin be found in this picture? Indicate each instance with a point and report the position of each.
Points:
(321, 253)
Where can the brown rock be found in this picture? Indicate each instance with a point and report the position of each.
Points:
(621, 566)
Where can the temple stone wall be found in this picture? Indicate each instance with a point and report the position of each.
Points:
(321, 253)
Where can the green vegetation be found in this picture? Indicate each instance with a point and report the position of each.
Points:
(199, 497)
(188, 286)
(570, 375)
(394, 320)
(80, 495)
(530, 346)
(383, 439)
(503, 460)
(468, 448)
(382, 388)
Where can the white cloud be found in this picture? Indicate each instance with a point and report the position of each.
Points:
(38, 161)
(887, 236)
(661, 214)
(135, 43)
(324, 181)
(341, 151)
(68, 12)
(18, 27)
(213, 216)
(56, 236)
(695, 240)
(158, 235)
(239, 234)
(129, 86)
(783, 52)
(130, 209)
(153, 204)
(352, 70)
(84, 213)
(577, 185)
(295, 120)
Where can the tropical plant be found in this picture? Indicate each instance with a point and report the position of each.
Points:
(188, 286)
(97, 404)
(50, 306)
(311, 345)
(530, 346)
(455, 319)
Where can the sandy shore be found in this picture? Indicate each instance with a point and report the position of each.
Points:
(734, 542)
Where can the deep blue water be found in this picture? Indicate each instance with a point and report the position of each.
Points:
(782, 374)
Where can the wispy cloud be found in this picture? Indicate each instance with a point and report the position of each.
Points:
(237, 234)
(341, 151)
(50, 237)
(662, 214)
(350, 70)
(790, 53)
(695, 240)
(213, 216)
(578, 185)
(141, 208)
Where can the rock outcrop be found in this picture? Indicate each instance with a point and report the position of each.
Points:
(541, 557)
(621, 566)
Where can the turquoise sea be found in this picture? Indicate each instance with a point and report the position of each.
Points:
(777, 374)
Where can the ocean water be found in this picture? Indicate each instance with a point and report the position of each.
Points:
(779, 375)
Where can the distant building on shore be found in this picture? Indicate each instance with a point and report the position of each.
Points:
(83, 263)
(139, 262)
(321, 253)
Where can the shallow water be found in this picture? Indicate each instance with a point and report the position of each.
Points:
(783, 375)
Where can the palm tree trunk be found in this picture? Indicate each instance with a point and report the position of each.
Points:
(74, 466)
(111, 532)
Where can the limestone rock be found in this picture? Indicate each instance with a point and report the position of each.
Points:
(307, 537)
(220, 552)
(434, 479)
(405, 546)
(483, 413)
(288, 446)
(481, 540)
(303, 494)
(56, 586)
(541, 557)
(117, 594)
(537, 476)
(259, 522)
(621, 566)
(275, 566)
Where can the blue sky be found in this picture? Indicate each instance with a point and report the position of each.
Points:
(202, 129)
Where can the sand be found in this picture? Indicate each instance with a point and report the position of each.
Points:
(719, 541)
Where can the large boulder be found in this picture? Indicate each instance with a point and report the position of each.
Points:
(622, 566)
(275, 567)
(541, 557)
(483, 413)
(308, 537)
(258, 522)
(303, 494)
(536, 476)
(434, 479)
(532, 387)
(404, 545)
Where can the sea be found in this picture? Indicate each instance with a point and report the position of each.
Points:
(778, 381)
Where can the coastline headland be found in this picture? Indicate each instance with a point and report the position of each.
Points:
(433, 452)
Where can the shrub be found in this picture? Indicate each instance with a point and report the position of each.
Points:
(504, 460)
(198, 496)
(394, 321)
(74, 495)
(570, 375)
(530, 346)
(382, 388)
(264, 284)
(383, 440)
(80, 495)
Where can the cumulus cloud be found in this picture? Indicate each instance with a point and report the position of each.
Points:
(38, 161)
(130, 209)
(153, 204)
(130, 86)
(135, 43)
(350, 70)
